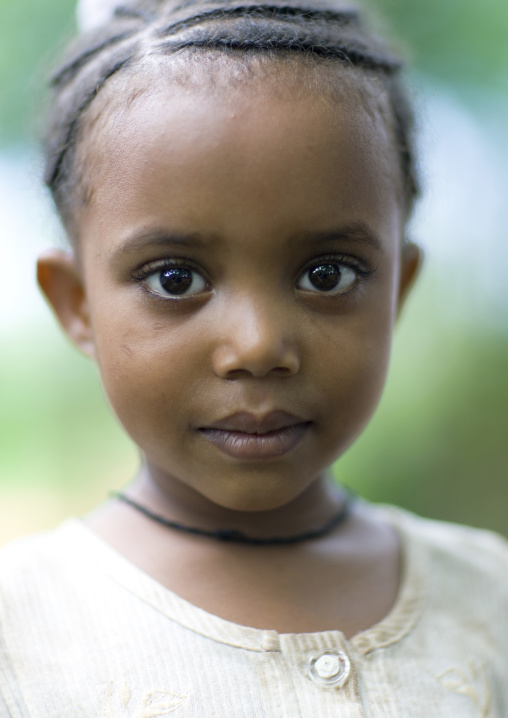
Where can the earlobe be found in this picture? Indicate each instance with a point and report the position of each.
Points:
(410, 265)
(61, 282)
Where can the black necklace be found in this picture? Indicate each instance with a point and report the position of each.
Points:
(238, 536)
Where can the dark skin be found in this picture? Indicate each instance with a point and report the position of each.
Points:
(244, 194)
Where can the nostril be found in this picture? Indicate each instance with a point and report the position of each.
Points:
(256, 371)
(233, 374)
(282, 370)
(255, 351)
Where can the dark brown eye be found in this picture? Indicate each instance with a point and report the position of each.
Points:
(327, 278)
(176, 281)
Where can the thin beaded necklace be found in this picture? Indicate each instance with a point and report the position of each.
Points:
(233, 536)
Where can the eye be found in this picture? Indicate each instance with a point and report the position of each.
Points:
(327, 278)
(176, 282)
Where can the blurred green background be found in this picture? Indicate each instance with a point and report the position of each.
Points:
(439, 441)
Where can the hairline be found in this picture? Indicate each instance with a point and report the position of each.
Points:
(332, 80)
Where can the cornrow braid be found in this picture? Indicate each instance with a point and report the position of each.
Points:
(143, 28)
(273, 12)
(302, 29)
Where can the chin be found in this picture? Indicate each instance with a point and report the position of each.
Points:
(254, 500)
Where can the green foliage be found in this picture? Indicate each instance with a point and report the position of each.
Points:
(453, 40)
(31, 33)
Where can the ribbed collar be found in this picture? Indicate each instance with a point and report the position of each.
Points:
(86, 547)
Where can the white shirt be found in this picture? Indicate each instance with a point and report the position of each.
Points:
(86, 634)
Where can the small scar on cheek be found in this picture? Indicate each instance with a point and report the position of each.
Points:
(127, 350)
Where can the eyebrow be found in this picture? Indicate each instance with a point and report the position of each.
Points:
(352, 232)
(158, 238)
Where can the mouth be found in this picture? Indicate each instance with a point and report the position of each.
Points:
(247, 436)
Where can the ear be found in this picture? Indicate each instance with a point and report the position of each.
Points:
(61, 282)
(411, 259)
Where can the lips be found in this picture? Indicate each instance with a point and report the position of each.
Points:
(248, 436)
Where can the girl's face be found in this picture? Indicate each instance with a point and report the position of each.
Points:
(241, 269)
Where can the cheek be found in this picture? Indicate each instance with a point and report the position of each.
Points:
(358, 364)
(146, 366)
(353, 360)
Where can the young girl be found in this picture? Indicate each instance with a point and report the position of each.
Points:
(235, 180)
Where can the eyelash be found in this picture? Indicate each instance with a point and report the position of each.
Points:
(158, 266)
(342, 260)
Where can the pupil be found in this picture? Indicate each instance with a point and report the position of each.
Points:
(176, 280)
(325, 277)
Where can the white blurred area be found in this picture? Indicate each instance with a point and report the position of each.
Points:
(28, 225)
(461, 221)
(92, 13)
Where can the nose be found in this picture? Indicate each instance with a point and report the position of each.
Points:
(256, 339)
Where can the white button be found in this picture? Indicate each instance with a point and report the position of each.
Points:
(329, 668)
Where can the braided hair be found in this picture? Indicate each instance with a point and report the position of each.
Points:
(140, 29)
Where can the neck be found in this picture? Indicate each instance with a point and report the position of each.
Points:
(178, 502)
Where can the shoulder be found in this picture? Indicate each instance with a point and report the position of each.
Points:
(38, 567)
(33, 553)
(451, 542)
(449, 537)
(457, 557)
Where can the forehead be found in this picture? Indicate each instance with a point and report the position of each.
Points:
(208, 130)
